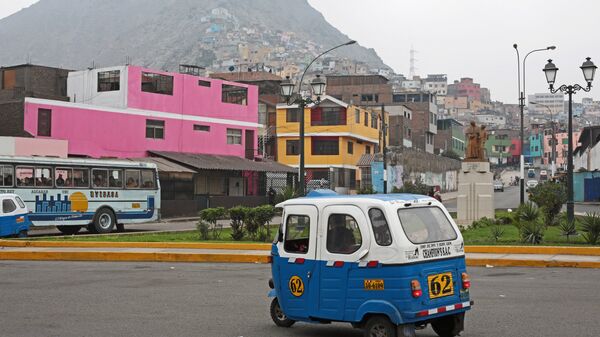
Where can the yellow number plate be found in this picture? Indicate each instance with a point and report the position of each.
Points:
(440, 285)
(374, 285)
(296, 286)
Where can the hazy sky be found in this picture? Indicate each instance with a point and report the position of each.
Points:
(467, 38)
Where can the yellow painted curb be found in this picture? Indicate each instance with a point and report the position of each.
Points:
(101, 244)
(133, 256)
(531, 263)
(546, 250)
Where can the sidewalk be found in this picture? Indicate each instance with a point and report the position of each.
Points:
(253, 253)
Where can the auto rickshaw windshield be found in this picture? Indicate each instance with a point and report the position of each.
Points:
(426, 225)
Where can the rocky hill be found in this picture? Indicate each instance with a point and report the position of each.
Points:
(165, 33)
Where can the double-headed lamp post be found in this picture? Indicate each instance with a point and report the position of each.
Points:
(291, 98)
(589, 69)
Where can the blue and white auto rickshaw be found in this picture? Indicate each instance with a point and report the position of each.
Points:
(14, 218)
(389, 264)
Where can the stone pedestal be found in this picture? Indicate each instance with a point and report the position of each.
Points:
(475, 198)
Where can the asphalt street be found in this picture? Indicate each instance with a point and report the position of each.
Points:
(229, 300)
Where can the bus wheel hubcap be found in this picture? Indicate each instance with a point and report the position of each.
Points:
(105, 221)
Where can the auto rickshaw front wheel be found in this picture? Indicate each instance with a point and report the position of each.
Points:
(278, 316)
(449, 326)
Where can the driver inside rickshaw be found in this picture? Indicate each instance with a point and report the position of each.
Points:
(340, 238)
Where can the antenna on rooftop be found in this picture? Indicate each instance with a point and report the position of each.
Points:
(413, 69)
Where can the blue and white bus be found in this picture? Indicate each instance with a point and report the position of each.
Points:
(72, 193)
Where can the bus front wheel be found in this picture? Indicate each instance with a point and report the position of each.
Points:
(104, 221)
(68, 230)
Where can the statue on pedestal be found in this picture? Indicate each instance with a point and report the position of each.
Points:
(476, 138)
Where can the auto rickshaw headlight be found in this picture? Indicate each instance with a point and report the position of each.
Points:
(466, 281)
(416, 288)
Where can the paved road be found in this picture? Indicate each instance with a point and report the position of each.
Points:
(229, 300)
(510, 199)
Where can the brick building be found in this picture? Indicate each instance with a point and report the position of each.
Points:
(27, 80)
(424, 117)
(363, 90)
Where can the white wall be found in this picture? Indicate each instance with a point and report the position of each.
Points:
(82, 87)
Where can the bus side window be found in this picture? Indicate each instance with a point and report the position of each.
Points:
(63, 177)
(24, 176)
(100, 178)
(115, 179)
(81, 177)
(132, 178)
(6, 176)
(147, 179)
(43, 177)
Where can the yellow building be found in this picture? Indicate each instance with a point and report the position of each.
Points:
(336, 136)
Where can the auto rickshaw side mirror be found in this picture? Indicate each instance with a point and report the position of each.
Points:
(280, 234)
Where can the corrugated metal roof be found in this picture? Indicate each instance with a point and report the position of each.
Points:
(164, 165)
(227, 163)
(366, 160)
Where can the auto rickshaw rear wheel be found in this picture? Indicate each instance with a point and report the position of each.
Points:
(449, 326)
(68, 230)
(278, 316)
(22, 234)
(379, 326)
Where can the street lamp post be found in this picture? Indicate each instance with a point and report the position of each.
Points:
(291, 98)
(553, 154)
(522, 108)
(589, 69)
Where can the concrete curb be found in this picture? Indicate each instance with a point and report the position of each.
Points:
(475, 262)
(244, 258)
(132, 257)
(543, 250)
(161, 245)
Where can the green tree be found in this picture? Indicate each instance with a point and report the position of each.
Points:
(550, 197)
(238, 215)
(208, 222)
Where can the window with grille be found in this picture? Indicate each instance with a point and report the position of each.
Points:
(234, 136)
(155, 129)
(292, 147)
(157, 83)
(325, 146)
(328, 116)
(234, 94)
(109, 80)
(292, 115)
(44, 122)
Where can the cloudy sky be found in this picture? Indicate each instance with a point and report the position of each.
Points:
(467, 38)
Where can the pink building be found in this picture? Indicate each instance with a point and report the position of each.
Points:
(562, 145)
(201, 133)
(127, 111)
(465, 88)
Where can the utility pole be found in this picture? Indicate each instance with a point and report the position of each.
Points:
(383, 147)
